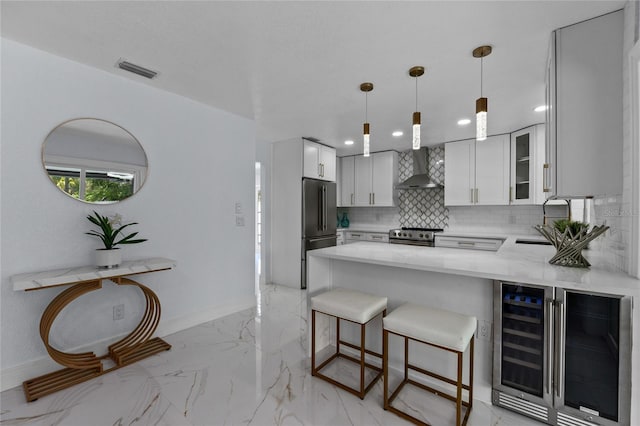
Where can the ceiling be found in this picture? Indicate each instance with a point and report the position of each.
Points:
(295, 67)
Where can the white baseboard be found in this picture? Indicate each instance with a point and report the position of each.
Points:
(14, 376)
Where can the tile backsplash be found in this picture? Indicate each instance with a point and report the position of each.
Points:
(614, 243)
(423, 208)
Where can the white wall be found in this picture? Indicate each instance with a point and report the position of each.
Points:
(201, 163)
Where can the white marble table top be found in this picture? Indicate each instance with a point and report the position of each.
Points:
(37, 280)
(512, 262)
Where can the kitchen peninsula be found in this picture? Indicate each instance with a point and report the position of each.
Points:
(462, 281)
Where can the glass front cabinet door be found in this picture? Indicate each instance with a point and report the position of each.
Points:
(527, 166)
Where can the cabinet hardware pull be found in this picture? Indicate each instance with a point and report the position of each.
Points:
(510, 193)
(324, 203)
(320, 209)
(476, 195)
(373, 196)
(322, 169)
(545, 172)
(351, 198)
(560, 351)
(471, 195)
(549, 318)
(319, 170)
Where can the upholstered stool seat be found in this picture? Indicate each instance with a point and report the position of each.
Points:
(355, 307)
(446, 330)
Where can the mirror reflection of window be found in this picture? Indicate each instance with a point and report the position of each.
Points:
(94, 161)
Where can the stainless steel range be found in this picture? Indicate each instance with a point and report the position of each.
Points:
(413, 236)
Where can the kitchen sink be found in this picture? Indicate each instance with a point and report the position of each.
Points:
(533, 242)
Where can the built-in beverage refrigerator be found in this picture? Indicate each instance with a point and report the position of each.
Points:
(562, 356)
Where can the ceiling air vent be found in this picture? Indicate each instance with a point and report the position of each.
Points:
(136, 69)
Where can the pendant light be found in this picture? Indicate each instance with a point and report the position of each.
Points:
(481, 103)
(416, 72)
(366, 88)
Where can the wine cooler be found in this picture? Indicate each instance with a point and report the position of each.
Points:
(562, 356)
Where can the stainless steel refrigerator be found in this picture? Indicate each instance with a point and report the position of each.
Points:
(319, 217)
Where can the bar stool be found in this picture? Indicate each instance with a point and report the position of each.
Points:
(355, 307)
(434, 327)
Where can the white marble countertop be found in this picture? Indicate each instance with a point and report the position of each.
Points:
(512, 262)
(37, 280)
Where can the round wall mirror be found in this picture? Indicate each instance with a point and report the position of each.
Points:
(94, 161)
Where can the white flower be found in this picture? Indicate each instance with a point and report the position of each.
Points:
(115, 219)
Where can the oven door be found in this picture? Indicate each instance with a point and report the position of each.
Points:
(523, 348)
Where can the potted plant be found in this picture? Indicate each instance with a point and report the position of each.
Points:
(110, 255)
(575, 227)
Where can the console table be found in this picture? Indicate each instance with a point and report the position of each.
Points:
(84, 366)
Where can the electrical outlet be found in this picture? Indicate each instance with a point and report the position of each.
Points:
(118, 312)
(484, 330)
(239, 220)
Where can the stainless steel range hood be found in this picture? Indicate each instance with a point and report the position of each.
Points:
(421, 177)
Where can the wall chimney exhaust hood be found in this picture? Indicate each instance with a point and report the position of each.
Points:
(421, 178)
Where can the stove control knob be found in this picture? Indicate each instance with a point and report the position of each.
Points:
(421, 235)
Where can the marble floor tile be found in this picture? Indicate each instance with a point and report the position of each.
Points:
(249, 368)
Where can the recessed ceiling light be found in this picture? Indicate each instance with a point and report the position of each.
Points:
(397, 133)
(464, 122)
(540, 108)
(349, 142)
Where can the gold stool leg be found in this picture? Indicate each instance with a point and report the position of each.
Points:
(459, 390)
(385, 367)
(313, 342)
(362, 367)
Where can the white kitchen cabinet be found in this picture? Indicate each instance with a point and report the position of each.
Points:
(319, 161)
(477, 172)
(352, 236)
(527, 166)
(347, 181)
(378, 237)
(355, 236)
(459, 172)
(375, 178)
(471, 243)
(584, 118)
(362, 180)
(384, 177)
(492, 171)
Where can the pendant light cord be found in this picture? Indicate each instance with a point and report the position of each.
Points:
(366, 105)
(416, 93)
(481, 69)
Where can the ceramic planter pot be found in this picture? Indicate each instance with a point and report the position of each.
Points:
(108, 258)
